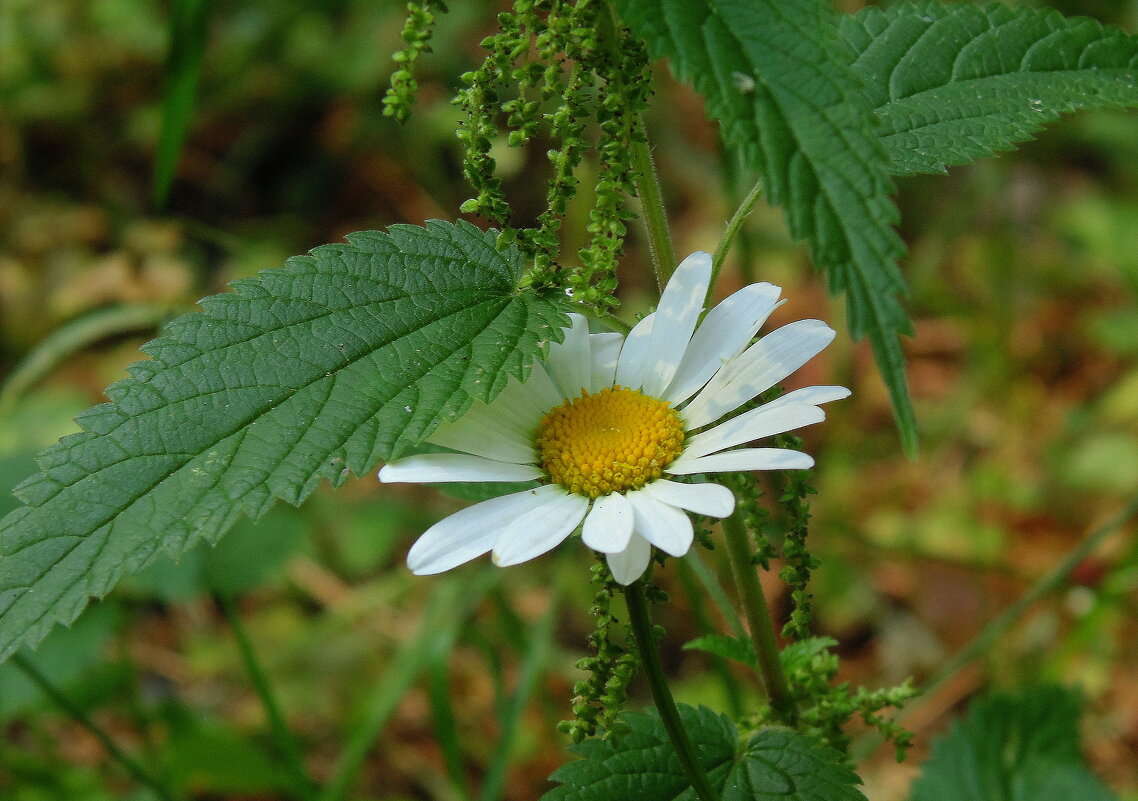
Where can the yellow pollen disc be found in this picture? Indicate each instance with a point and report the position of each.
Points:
(613, 441)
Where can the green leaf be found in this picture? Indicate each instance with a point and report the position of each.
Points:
(774, 765)
(189, 30)
(776, 74)
(738, 648)
(1013, 747)
(779, 764)
(957, 82)
(643, 766)
(310, 372)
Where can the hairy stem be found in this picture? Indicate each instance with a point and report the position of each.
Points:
(665, 704)
(132, 766)
(652, 206)
(283, 738)
(758, 616)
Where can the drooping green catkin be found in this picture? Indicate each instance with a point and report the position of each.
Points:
(417, 32)
(599, 698)
(558, 70)
(798, 562)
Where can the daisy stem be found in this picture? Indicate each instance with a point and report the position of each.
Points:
(758, 616)
(645, 634)
(734, 225)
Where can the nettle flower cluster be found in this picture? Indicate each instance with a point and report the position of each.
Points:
(608, 422)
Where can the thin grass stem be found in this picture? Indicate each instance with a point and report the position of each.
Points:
(127, 762)
(287, 747)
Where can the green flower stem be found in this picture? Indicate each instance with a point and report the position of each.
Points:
(285, 742)
(652, 206)
(620, 325)
(665, 704)
(758, 616)
(733, 227)
(132, 766)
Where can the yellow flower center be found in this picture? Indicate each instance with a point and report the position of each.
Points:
(613, 441)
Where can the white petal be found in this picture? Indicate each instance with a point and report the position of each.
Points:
(630, 564)
(742, 459)
(606, 351)
(764, 421)
(468, 533)
(757, 369)
(540, 529)
(443, 467)
(632, 365)
(786, 413)
(541, 388)
(569, 362)
(609, 525)
(724, 332)
(488, 431)
(522, 405)
(812, 395)
(649, 361)
(663, 525)
(712, 500)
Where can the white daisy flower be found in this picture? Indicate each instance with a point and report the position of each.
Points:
(607, 418)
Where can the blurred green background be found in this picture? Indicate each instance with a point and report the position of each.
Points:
(1024, 372)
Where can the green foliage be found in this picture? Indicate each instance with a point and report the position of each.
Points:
(598, 700)
(554, 67)
(310, 372)
(771, 764)
(739, 649)
(777, 77)
(952, 83)
(417, 32)
(823, 708)
(1021, 746)
(799, 563)
(65, 658)
(189, 32)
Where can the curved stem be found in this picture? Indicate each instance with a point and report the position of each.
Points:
(282, 736)
(611, 319)
(132, 766)
(758, 616)
(665, 704)
(69, 339)
(734, 225)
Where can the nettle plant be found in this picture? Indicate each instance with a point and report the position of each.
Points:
(497, 358)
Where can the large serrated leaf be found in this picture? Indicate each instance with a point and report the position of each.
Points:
(779, 764)
(773, 765)
(309, 372)
(1013, 747)
(957, 82)
(776, 74)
